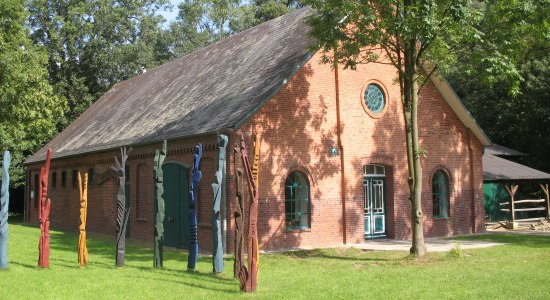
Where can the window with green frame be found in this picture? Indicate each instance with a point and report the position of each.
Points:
(440, 191)
(297, 201)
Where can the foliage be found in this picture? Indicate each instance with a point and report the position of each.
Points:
(29, 108)
(514, 114)
(346, 273)
(201, 22)
(94, 44)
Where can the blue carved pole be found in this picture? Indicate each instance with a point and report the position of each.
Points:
(160, 155)
(217, 254)
(4, 204)
(193, 240)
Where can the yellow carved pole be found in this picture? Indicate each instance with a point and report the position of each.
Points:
(82, 249)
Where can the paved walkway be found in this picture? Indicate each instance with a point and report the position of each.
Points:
(432, 244)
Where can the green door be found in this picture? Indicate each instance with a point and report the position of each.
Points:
(374, 186)
(176, 198)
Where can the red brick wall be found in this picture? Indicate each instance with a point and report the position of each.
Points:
(297, 129)
(102, 197)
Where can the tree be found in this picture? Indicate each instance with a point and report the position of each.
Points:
(201, 22)
(29, 108)
(93, 44)
(417, 37)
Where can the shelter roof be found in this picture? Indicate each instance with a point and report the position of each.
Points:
(499, 150)
(499, 169)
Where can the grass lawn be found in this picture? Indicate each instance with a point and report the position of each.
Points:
(518, 270)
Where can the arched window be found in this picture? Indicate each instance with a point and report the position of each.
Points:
(296, 201)
(440, 191)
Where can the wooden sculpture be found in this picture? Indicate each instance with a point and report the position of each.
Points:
(249, 276)
(238, 213)
(196, 176)
(83, 191)
(256, 177)
(217, 254)
(4, 205)
(123, 212)
(158, 232)
(44, 215)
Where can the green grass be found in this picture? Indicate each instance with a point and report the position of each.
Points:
(518, 270)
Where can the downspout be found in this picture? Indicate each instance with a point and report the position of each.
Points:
(341, 149)
(472, 184)
(224, 205)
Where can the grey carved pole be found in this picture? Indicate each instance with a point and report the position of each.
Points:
(4, 205)
(196, 176)
(217, 254)
(122, 211)
(160, 155)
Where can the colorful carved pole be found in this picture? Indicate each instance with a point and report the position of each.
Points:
(238, 213)
(123, 212)
(44, 215)
(83, 191)
(249, 276)
(158, 177)
(193, 232)
(217, 254)
(4, 205)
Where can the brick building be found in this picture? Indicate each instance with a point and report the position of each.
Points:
(333, 166)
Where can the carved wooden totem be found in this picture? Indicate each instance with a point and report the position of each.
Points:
(83, 191)
(44, 215)
(217, 254)
(158, 177)
(238, 213)
(196, 176)
(249, 276)
(123, 212)
(4, 205)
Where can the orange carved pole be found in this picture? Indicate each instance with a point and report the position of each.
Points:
(44, 215)
(249, 276)
(82, 249)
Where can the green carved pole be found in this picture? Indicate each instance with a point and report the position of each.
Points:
(158, 176)
(4, 205)
(217, 256)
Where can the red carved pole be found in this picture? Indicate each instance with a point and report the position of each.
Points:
(44, 215)
(249, 277)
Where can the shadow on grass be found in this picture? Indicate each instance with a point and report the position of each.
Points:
(350, 254)
(534, 241)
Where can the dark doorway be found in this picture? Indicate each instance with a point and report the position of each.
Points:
(176, 197)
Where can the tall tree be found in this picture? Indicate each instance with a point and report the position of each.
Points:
(93, 44)
(201, 22)
(29, 109)
(418, 38)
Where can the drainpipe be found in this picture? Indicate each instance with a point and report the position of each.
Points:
(341, 149)
(224, 204)
(472, 184)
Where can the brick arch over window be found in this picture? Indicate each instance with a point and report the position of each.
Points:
(441, 183)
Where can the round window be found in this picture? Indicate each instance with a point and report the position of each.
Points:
(374, 98)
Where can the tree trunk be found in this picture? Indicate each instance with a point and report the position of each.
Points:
(410, 111)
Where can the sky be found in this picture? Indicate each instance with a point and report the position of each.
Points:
(171, 15)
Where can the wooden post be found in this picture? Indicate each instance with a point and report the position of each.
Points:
(544, 188)
(512, 189)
